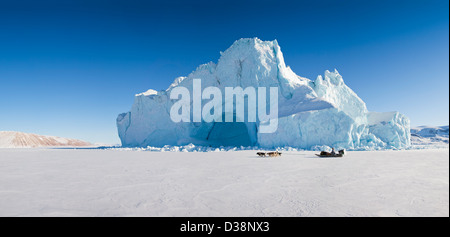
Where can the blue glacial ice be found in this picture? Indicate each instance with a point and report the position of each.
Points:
(311, 113)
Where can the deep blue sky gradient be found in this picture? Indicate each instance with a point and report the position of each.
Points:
(68, 68)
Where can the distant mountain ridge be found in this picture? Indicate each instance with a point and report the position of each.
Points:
(11, 139)
(429, 131)
(424, 135)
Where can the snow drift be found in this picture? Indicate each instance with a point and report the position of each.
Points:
(310, 113)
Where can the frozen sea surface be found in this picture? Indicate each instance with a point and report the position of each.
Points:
(99, 182)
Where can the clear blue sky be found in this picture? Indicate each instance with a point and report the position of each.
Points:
(68, 68)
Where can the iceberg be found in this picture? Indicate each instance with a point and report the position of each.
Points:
(311, 113)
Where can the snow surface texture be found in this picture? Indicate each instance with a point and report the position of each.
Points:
(93, 182)
(10, 139)
(324, 112)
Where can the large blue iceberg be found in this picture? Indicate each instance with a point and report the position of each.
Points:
(311, 113)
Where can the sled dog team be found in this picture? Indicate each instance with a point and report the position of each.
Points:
(271, 154)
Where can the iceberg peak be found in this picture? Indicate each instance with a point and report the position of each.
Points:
(148, 93)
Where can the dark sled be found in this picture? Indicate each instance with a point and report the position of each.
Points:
(328, 154)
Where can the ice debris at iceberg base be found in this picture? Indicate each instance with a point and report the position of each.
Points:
(311, 113)
(194, 148)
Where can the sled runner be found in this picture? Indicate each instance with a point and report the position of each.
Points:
(337, 155)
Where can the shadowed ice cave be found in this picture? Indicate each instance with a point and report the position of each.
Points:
(217, 134)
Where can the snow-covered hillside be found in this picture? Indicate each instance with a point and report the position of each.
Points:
(430, 136)
(9, 139)
(311, 113)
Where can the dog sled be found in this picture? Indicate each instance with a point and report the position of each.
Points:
(329, 154)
